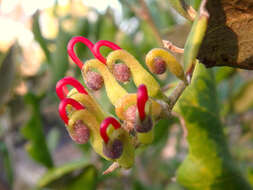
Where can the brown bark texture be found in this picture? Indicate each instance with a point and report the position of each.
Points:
(229, 37)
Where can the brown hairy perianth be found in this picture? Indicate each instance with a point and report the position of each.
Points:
(121, 72)
(81, 132)
(94, 80)
(159, 66)
(144, 126)
(130, 114)
(113, 149)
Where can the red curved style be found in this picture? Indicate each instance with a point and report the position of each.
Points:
(105, 124)
(62, 108)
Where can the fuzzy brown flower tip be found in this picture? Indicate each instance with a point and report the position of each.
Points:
(113, 149)
(159, 66)
(94, 80)
(81, 133)
(145, 126)
(121, 72)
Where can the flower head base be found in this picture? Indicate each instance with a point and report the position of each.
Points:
(85, 119)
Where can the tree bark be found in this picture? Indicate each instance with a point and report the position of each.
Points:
(229, 37)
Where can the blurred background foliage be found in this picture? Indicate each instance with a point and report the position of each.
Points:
(35, 149)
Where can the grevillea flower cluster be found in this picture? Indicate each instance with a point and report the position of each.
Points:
(115, 139)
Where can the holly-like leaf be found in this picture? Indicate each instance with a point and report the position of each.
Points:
(208, 165)
(32, 131)
(71, 176)
(162, 131)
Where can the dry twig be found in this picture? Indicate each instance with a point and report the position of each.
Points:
(111, 168)
(167, 44)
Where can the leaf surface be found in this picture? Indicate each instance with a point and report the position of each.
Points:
(208, 165)
(33, 132)
(71, 176)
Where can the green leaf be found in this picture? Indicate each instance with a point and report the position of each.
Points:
(162, 130)
(85, 181)
(4, 154)
(208, 165)
(71, 176)
(195, 38)
(39, 38)
(33, 132)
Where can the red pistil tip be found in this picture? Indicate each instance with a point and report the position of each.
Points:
(105, 124)
(61, 89)
(106, 43)
(142, 98)
(71, 51)
(62, 108)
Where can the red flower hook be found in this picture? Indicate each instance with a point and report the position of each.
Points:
(142, 98)
(71, 52)
(61, 89)
(105, 124)
(62, 108)
(101, 43)
(94, 49)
